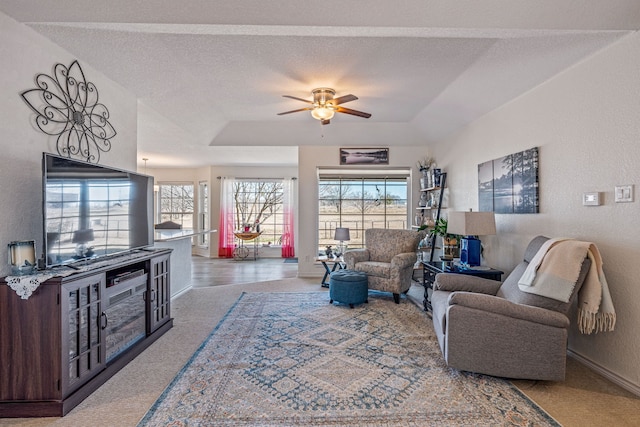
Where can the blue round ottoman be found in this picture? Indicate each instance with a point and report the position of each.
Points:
(348, 287)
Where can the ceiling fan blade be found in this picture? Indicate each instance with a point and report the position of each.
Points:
(298, 99)
(295, 111)
(353, 112)
(325, 122)
(343, 99)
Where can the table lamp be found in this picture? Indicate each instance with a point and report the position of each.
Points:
(342, 234)
(470, 225)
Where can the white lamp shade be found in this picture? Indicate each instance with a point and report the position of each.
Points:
(342, 234)
(471, 223)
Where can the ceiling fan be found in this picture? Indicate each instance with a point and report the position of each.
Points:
(324, 105)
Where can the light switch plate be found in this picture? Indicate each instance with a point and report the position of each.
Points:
(624, 193)
(591, 199)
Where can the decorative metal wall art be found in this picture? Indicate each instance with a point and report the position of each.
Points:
(509, 184)
(67, 106)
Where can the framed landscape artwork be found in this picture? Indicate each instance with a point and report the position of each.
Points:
(509, 184)
(372, 156)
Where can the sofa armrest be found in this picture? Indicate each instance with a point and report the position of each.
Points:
(404, 260)
(452, 282)
(354, 256)
(500, 306)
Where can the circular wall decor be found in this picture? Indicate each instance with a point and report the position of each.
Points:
(67, 106)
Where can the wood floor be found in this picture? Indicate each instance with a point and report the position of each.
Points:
(215, 272)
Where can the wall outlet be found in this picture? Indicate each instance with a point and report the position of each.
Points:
(592, 199)
(624, 193)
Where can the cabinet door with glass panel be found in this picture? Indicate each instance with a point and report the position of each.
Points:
(83, 342)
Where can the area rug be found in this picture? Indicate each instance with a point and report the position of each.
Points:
(291, 260)
(294, 359)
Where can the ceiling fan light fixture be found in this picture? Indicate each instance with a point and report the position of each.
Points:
(325, 105)
(322, 113)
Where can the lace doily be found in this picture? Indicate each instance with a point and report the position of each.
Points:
(24, 286)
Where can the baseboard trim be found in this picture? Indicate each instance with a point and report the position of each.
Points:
(180, 292)
(614, 378)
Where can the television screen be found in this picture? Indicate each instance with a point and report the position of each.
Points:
(92, 211)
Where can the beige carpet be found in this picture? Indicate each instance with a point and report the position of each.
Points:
(294, 359)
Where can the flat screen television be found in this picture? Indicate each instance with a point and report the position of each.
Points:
(93, 211)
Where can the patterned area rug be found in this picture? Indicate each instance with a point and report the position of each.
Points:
(293, 359)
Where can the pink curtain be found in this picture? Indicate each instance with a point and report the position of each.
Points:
(226, 238)
(288, 240)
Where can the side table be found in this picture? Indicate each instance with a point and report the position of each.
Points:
(242, 251)
(337, 264)
(431, 268)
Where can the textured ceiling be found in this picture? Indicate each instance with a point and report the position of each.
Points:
(210, 75)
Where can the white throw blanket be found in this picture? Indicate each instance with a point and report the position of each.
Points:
(553, 272)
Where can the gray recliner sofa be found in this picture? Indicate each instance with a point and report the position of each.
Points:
(494, 328)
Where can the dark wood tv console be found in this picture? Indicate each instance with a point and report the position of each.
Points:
(74, 332)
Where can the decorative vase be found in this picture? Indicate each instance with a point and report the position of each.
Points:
(424, 180)
(423, 200)
(436, 177)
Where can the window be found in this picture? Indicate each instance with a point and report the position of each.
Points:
(176, 204)
(258, 204)
(203, 212)
(360, 203)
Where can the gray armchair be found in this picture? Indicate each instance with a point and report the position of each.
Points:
(494, 328)
(388, 259)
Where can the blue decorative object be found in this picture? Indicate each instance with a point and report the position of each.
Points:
(470, 249)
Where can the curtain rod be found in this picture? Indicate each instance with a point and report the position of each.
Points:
(239, 177)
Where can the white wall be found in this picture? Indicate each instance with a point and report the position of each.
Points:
(180, 264)
(25, 54)
(586, 122)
